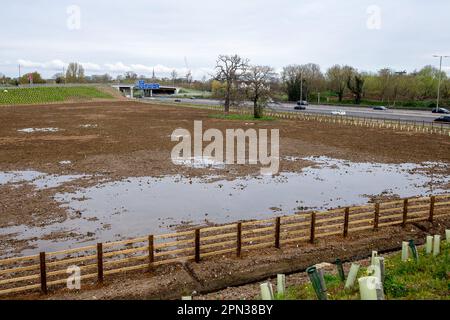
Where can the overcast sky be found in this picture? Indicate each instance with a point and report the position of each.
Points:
(138, 35)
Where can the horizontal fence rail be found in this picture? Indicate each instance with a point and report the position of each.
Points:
(368, 122)
(97, 262)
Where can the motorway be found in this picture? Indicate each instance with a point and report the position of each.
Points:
(361, 112)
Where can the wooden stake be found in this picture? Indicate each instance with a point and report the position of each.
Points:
(197, 245)
(432, 201)
(346, 218)
(313, 227)
(100, 262)
(151, 252)
(405, 212)
(277, 232)
(43, 273)
(377, 216)
(239, 240)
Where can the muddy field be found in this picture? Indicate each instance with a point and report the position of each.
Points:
(49, 153)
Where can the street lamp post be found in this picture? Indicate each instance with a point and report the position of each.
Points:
(440, 78)
(399, 74)
(301, 88)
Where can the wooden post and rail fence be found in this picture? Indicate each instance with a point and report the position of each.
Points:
(97, 262)
(369, 122)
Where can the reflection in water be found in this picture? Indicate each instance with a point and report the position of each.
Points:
(138, 206)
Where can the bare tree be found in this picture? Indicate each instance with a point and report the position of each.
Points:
(301, 80)
(385, 76)
(174, 76)
(75, 72)
(189, 77)
(257, 80)
(230, 69)
(337, 76)
(130, 75)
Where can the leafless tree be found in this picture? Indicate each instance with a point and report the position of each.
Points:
(189, 77)
(337, 78)
(230, 69)
(257, 81)
(130, 75)
(174, 76)
(301, 80)
(75, 72)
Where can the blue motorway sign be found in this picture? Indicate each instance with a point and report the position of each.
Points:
(150, 86)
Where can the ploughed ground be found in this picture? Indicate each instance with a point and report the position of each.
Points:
(109, 141)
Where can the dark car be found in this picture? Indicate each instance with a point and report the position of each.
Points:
(177, 100)
(382, 108)
(443, 119)
(440, 110)
(301, 105)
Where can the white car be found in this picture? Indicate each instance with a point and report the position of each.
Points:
(338, 113)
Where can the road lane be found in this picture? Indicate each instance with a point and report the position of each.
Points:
(360, 112)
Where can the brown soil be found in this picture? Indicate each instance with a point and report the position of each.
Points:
(133, 139)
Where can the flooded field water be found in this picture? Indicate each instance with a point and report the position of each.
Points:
(147, 205)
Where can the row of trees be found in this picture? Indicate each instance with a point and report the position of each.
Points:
(344, 81)
(235, 77)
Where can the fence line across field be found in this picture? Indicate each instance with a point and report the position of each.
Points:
(402, 125)
(49, 269)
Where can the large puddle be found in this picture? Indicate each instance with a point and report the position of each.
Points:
(138, 206)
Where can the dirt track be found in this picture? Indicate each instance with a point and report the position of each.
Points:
(128, 139)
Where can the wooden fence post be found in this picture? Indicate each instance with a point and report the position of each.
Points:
(43, 273)
(197, 245)
(151, 251)
(346, 218)
(239, 240)
(277, 232)
(432, 201)
(100, 262)
(376, 217)
(313, 228)
(405, 212)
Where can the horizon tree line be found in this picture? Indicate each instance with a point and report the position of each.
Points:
(232, 81)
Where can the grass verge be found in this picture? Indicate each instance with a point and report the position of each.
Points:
(427, 279)
(245, 117)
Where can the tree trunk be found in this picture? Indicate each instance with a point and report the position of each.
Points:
(257, 110)
(227, 103)
(228, 98)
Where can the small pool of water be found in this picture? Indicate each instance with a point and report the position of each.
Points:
(32, 130)
(135, 207)
(38, 179)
